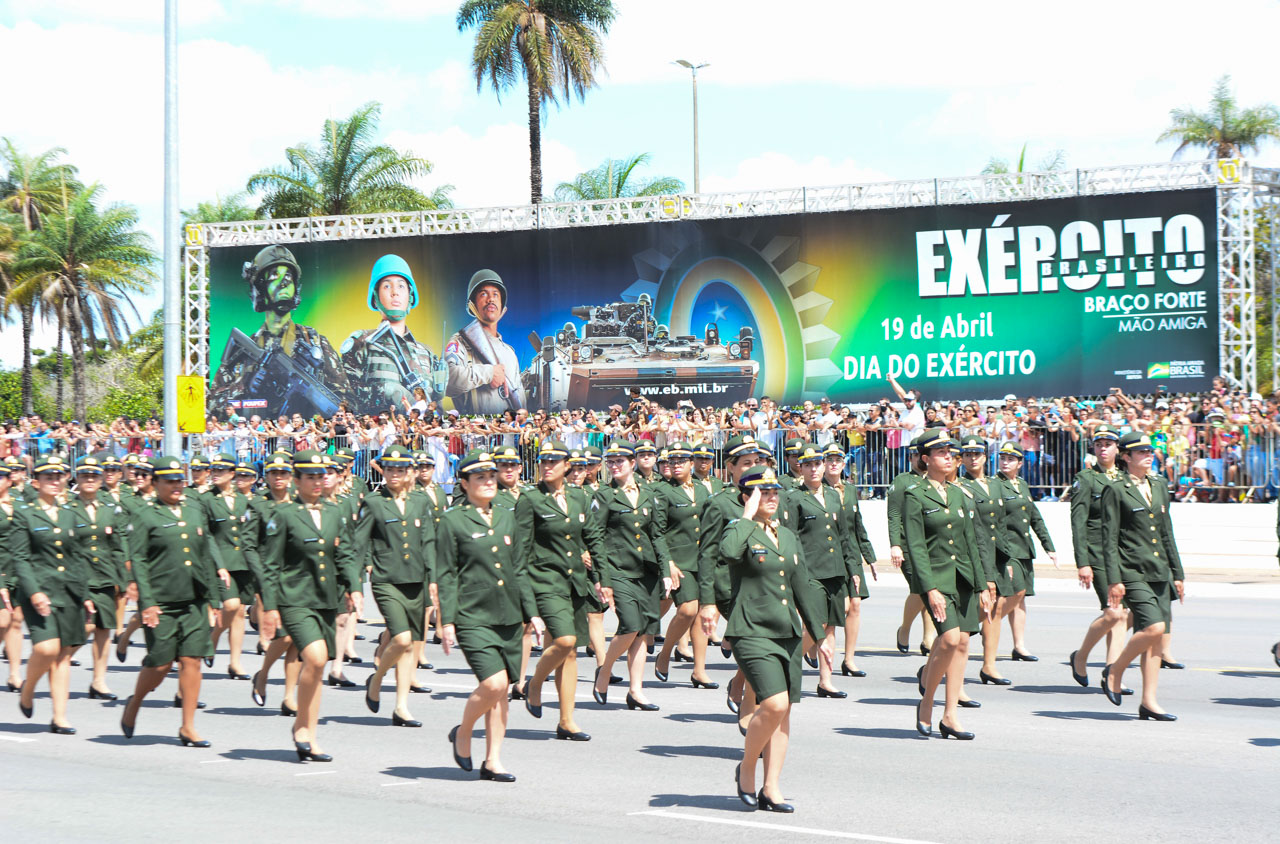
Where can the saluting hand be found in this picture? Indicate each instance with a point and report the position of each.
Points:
(937, 605)
(151, 616)
(752, 505)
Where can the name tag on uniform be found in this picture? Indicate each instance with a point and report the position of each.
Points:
(37, 529)
(169, 525)
(311, 539)
(804, 517)
(931, 512)
(391, 521)
(477, 535)
(1139, 509)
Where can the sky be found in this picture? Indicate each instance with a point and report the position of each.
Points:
(825, 93)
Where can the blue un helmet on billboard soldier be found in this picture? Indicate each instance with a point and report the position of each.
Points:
(387, 364)
(284, 367)
(484, 372)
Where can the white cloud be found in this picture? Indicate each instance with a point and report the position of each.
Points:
(130, 11)
(491, 168)
(778, 170)
(395, 10)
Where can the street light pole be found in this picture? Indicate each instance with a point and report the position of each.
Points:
(693, 69)
(172, 288)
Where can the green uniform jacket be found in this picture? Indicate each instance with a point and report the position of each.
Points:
(228, 526)
(480, 571)
(627, 541)
(854, 526)
(774, 593)
(815, 519)
(174, 559)
(8, 523)
(27, 495)
(401, 548)
(305, 566)
(789, 482)
(715, 585)
(101, 543)
(551, 541)
(1021, 517)
(989, 527)
(1086, 518)
(711, 485)
(939, 531)
(1137, 537)
(43, 559)
(261, 508)
(437, 501)
(684, 522)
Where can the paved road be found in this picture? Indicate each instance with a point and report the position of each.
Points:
(1052, 761)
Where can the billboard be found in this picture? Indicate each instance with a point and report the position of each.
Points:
(1049, 297)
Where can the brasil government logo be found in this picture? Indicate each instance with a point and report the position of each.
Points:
(1158, 370)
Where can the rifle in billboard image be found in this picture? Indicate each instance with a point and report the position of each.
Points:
(278, 379)
(620, 347)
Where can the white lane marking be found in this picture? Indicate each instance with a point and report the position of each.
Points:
(394, 784)
(213, 761)
(16, 738)
(1065, 607)
(314, 773)
(826, 833)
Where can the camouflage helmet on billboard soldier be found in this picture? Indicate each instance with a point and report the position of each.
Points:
(273, 267)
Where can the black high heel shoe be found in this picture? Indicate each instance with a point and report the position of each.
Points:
(353, 660)
(970, 704)
(420, 690)
(725, 650)
(535, 711)
(1145, 714)
(236, 675)
(903, 647)
(1275, 654)
(851, 672)
(259, 697)
(62, 731)
(371, 704)
(261, 650)
(494, 776)
(729, 701)
(286, 711)
(835, 693)
(121, 655)
(810, 661)
(745, 796)
(767, 805)
(676, 656)
(569, 735)
(463, 762)
(340, 682)
(94, 694)
(947, 732)
(177, 703)
(1082, 679)
(517, 693)
(1018, 656)
(920, 680)
(924, 728)
(600, 697)
(305, 753)
(425, 666)
(18, 687)
(1164, 663)
(632, 703)
(924, 649)
(208, 662)
(996, 681)
(126, 729)
(397, 721)
(661, 675)
(186, 742)
(1106, 687)
(698, 684)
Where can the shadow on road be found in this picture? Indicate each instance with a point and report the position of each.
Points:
(891, 701)
(1055, 690)
(24, 727)
(696, 801)
(1085, 716)
(1263, 672)
(409, 772)
(877, 732)
(1248, 701)
(1265, 742)
(139, 740)
(358, 720)
(695, 717)
(262, 755)
(674, 751)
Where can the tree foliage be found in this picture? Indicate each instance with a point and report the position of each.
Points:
(616, 179)
(1225, 130)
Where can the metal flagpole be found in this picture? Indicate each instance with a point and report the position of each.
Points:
(172, 266)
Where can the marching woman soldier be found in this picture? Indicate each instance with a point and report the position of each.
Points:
(99, 533)
(947, 564)
(486, 604)
(437, 503)
(52, 585)
(278, 471)
(508, 461)
(550, 521)
(856, 529)
(246, 478)
(1086, 539)
(395, 533)
(10, 611)
(1144, 570)
(812, 511)
(112, 493)
(683, 500)
(227, 510)
(775, 596)
(307, 563)
(989, 530)
(627, 540)
(335, 492)
(589, 625)
(177, 568)
(140, 493)
(1021, 518)
(703, 465)
(914, 604)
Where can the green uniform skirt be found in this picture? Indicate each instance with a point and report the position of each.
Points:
(489, 650)
(771, 666)
(1100, 586)
(242, 587)
(833, 590)
(1151, 603)
(1004, 577)
(305, 625)
(637, 603)
(183, 630)
(104, 607)
(560, 611)
(403, 607)
(64, 623)
(1024, 576)
(962, 612)
(688, 589)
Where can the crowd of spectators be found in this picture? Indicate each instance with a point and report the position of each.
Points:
(1219, 445)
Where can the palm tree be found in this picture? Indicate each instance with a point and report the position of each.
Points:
(556, 45)
(347, 174)
(30, 186)
(612, 180)
(85, 264)
(221, 209)
(1055, 160)
(1226, 130)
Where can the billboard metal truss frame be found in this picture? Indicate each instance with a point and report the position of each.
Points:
(1247, 196)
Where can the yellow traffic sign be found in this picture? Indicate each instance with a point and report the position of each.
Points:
(191, 419)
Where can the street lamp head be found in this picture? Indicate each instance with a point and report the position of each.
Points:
(683, 63)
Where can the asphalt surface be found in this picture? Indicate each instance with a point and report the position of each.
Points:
(1052, 761)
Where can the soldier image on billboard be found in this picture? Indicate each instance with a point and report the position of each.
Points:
(484, 372)
(387, 363)
(284, 367)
